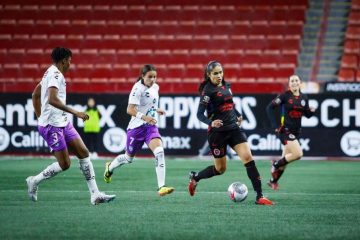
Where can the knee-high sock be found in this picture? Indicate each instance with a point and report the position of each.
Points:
(119, 161)
(160, 165)
(87, 169)
(279, 174)
(49, 172)
(255, 178)
(280, 163)
(207, 172)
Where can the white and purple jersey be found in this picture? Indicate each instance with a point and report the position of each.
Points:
(147, 101)
(49, 114)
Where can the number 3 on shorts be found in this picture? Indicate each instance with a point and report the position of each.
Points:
(55, 138)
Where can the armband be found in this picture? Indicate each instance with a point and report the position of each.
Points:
(139, 115)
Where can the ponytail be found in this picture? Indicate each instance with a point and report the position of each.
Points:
(202, 85)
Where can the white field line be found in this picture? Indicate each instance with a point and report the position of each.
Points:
(174, 158)
(185, 192)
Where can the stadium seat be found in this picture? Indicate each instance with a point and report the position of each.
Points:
(358, 75)
(248, 72)
(346, 75)
(349, 61)
(113, 40)
(353, 32)
(354, 18)
(352, 46)
(355, 4)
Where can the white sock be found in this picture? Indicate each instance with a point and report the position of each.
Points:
(119, 161)
(160, 165)
(88, 171)
(48, 172)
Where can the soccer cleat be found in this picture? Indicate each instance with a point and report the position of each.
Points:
(101, 197)
(192, 184)
(32, 188)
(274, 171)
(273, 185)
(264, 201)
(165, 190)
(107, 173)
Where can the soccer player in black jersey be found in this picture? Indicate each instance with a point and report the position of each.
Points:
(224, 129)
(293, 105)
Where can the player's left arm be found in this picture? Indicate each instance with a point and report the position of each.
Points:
(36, 95)
(239, 117)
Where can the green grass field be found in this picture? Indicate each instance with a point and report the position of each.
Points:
(317, 200)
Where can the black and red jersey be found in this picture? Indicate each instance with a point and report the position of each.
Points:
(217, 101)
(292, 108)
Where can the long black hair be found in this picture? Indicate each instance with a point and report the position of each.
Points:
(146, 68)
(209, 67)
(60, 53)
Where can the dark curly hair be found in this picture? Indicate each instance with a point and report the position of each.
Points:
(60, 53)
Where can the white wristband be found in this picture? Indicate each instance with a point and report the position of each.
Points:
(139, 115)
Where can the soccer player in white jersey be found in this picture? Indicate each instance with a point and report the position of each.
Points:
(49, 100)
(143, 108)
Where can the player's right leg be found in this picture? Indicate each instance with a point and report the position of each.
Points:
(54, 137)
(244, 152)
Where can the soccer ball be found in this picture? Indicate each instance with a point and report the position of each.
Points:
(237, 192)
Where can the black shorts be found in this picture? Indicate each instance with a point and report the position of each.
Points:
(218, 141)
(288, 135)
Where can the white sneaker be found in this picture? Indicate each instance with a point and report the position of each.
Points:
(101, 197)
(32, 188)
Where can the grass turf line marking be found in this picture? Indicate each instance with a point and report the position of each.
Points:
(185, 192)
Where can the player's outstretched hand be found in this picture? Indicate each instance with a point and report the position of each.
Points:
(82, 115)
(239, 120)
(281, 134)
(161, 111)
